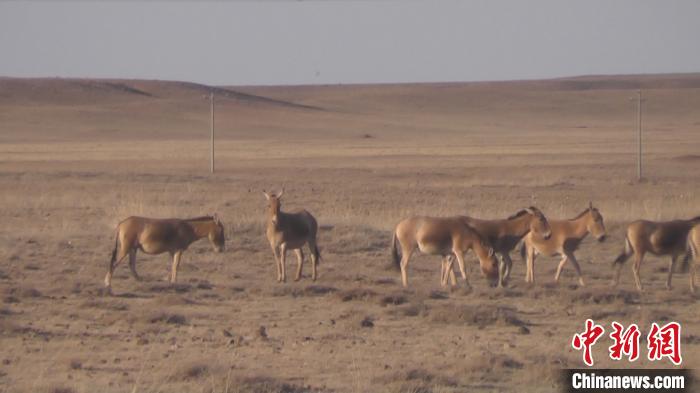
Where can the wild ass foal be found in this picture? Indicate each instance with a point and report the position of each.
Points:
(565, 239)
(156, 236)
(504, 235)
(441, 236)
(290, 231)
(658, 238)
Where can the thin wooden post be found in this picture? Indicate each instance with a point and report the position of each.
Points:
(639, 135)
(639, 100)
(211, 103)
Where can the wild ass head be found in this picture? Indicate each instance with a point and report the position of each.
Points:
(595, 223)
(274, 205)
(216, 236)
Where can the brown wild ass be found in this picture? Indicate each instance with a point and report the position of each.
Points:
(156, 236)
(504, 235)
(658, 238)
(441, 236)
(567, 235)
(290, 231)
(694, 251)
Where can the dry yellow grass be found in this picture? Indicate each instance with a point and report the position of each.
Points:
(78, 156)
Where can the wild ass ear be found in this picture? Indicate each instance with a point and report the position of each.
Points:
(216, 218)
(279, 194)
(267, 196)
(590, 205)
(490, 251)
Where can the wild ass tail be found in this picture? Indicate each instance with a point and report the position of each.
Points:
(625, 254)
(395, 257)
(523, 250)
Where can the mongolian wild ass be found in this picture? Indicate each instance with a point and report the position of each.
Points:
(156, 236)
(441, 236)
(504, 235)
(694, 251)
(658, 238)
(565, 239)
(290, 231)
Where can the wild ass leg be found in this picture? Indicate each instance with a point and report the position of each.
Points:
(564, 258)
(405, 257)
(635, 269)
(671, 266)
(530, 258)
(443, 271)
(616, 278)
(121, 254)
(453, 278)
(300, 262)
(132, 264)
(176, 263)
(509, 266)
(691, 274)
(313, 248)
(502, 269)
(572, 258)
(451, 272)
(283, 261)
(460, 263)
(447, 270)
(276, 254)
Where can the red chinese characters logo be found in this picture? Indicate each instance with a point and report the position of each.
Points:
(662, 342)
(665, 342)
(587, 339)
(626, 343)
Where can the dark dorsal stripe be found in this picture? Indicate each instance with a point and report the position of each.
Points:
(202, 218)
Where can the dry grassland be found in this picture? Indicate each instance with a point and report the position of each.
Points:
(77, 156)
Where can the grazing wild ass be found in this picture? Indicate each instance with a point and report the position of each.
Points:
(441, 236)
(290, 231)
(504, 235)
(658, 238)
(565, 239)
(694, 251)
(156, 236)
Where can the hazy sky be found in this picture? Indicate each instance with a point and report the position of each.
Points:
(300, 42)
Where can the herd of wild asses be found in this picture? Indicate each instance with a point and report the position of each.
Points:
(449, 237)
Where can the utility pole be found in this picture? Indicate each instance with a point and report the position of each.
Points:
(211, 104)
(639, 133)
